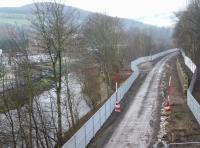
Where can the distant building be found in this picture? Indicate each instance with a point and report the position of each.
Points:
(1, 51)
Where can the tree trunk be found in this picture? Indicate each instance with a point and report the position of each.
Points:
(197, 83)
(70, 104)
(30, 144)
(22, 134)
(58, 93)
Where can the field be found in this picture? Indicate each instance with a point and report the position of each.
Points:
(14, 18)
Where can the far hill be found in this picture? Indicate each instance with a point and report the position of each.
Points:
(21, 16)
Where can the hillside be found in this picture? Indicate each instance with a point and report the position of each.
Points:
(19, 15)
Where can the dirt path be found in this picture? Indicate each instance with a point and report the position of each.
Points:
(179, 126)
(135, 127)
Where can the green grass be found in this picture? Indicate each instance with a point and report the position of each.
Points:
(12, 18)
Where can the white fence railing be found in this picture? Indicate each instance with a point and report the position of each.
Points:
(83, 136)
(191, 101)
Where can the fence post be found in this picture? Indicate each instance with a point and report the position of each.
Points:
(75, 140)
(105, 110)
(93, 125)
(85, 135)
(110, 106)
(100, 116)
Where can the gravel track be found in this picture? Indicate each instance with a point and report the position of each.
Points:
(135, 128)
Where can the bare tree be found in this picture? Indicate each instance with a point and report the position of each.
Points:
(11, 98)
(69, 96)
(54, 30)
(6, 106)
(187, 33)
(91, 88)
(103, 35)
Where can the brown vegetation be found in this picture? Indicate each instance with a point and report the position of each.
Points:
(187, 35)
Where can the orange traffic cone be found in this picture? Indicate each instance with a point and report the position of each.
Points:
(167, 107)
(117, 107)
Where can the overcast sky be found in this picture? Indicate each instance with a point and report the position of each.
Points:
(155, 12)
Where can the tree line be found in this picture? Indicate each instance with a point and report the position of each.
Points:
(187, 34)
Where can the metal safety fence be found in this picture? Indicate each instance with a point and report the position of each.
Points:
(191, 101)
(83, 136)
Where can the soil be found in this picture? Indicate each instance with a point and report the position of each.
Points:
(179, 125)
